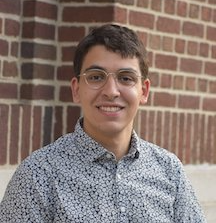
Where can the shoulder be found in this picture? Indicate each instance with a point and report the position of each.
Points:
(161, 159)
(51, 156)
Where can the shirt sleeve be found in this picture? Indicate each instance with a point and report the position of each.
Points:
(186, 207)
(25, 200)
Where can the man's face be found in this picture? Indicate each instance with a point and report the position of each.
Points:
(110, 110)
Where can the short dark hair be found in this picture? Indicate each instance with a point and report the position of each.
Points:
(118, 39)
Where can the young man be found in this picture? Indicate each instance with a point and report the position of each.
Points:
(103, 172)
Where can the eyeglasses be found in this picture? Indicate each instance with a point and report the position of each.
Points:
(97, 78)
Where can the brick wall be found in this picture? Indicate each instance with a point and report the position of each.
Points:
(37, 42)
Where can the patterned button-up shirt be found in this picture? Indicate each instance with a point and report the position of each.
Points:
(76, 180)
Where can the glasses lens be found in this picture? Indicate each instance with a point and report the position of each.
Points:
(95, 78)
(127, 78)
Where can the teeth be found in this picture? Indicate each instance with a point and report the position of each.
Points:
(110, 109)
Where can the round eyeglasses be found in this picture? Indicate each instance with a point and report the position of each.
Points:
(97, 78)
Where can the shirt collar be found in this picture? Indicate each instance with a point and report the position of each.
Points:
(92, 150)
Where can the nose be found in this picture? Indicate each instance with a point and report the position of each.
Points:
(111, 90)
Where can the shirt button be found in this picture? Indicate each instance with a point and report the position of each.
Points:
(122, 209)
(108, 156)
(118, 176)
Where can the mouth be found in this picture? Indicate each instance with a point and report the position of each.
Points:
(110, 108)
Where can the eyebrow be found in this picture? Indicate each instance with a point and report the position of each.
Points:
(102, 68)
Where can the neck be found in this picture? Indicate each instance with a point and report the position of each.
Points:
(117, 143)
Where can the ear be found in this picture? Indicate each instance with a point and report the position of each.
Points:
(75, 90)
(145, 91)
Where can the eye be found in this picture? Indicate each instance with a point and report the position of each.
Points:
(93, 76)
(127, 77)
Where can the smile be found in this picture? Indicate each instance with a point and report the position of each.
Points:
(110, 109)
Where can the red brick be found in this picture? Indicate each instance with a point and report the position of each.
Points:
(213, 51)
(4, 47)
(209, 152)
(70, 33)
(194, 11)
(154, 78)
(65, 94)
(168, 25)
(156, 5)
(202, 85)
(37, 71)
(178, 82)
(164, 99)
(12, 27)
(211, 33)
(209, 104)
(173, 132)
(211, 2)
(214, 15)
(159, 128)
(26, 131)
(144, 127)
(196, 139)
(193, 29)
(67, 1)
(166, 62)
(73, 113)
(10, 6)
(204, 49)
(190, 84)
(191, 65)
(47, 125)
(210, 68)
(180, 46)
(169, 6)
(38, 30)
(143, 4)
(14, 133)
(188, 102)
(166, 81)
(143, 36)
(10, 69)
(202, 139)
(181, 133)
(36, 50)
(68, 53)
(166, 130)
(1, 26)
(212, 87)
(8, 90)
(4, 117)
(206, 13)
(151, 124)
(58, 125)
(192, 48)
(32, 8)
(188, 139)
(88, 14)
(125, 2)
(154, 41)
(37, 127)
(120, 15)
(182, 8)
(167, 44)
(141, 19)
(37, 92)
(65, 73)
(14, 49)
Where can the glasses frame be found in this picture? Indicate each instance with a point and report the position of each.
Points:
(114, 74)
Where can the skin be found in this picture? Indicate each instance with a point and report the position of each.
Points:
(109, 112)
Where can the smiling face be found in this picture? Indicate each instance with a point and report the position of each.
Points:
(110, 110)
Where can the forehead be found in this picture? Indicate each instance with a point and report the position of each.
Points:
(100, 56)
